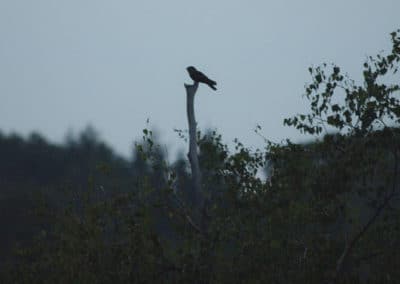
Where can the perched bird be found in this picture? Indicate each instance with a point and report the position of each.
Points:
(199, 77)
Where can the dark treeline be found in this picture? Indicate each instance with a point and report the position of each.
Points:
(34, 160)
(32, 168)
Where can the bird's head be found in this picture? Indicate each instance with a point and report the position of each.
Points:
(190, 68)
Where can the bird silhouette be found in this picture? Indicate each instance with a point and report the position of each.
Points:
(198, 76)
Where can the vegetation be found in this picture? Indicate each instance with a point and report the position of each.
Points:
(327, 212)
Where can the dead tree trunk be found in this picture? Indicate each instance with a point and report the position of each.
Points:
(196, 193)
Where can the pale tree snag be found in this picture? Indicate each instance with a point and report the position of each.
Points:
(196, 193)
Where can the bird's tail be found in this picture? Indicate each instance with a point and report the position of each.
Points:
(212, 84)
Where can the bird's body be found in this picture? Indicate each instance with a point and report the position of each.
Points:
(199, 77)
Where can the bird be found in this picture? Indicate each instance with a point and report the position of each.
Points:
(199, 77)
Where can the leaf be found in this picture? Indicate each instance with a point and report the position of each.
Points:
(318, 78)
(336, 70)
(331, 120)
(335, 108)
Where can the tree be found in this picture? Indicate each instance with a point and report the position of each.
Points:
(367, 140)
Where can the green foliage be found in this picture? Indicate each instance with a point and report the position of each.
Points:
(359, 109)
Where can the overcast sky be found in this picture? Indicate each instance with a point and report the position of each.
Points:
(113, 64)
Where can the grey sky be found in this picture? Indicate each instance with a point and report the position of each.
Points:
(113, 64)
